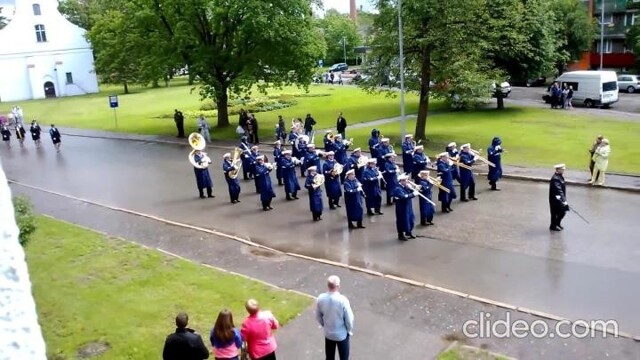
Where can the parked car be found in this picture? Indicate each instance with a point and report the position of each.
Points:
(629, 83)
(339, 67)
(505, 87)
(540, 81)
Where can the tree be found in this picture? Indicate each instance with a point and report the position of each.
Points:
(232, 45)
(444, 41)
(576, 31)
(340, 35)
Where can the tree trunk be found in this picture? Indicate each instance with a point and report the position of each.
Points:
(423, 108)
(191, 76)
(155, 84)
(126, 88)
(222, 101)
(500, 99)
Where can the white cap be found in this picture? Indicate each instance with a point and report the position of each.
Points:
(261, 157)
(226, 155)
(560, 166)
(389, 154)
(327, 131)
(466, 145)
(287, 152)
(419, 147)
(311, 145)
(312, 168)
(357, 149)
(423, 172)
(351, 172)
(338, 135)
(372, 160)
(451, 144)
(403, 177)
(408, 136)
(329, 153)
(254, 147)
(277, 142)
(305, 138)
(385, 140)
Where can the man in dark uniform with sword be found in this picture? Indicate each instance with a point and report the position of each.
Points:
(557, 198)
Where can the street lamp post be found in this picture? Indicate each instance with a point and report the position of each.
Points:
(601, 33)
(401, 45)
(344, 48)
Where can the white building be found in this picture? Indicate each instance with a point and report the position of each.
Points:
(43, 55)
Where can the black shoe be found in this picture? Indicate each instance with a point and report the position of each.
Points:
(370, 213)
(410, 236)
(265, 209)
(269, 207)
(474, 198)
(430, 223)
(338, 205)
(554, 228)
(211, 196)
(202, 197)
(464, 200)
(495, 189)
(446, 211)
(360, 226)
(402, 238)
(423, 223)
(450, 209)
(389, 203)
(379, 213)
(295, 197)
(351, 226)
(332, 207)
(279, 183)
(560, 226)
(289, 198)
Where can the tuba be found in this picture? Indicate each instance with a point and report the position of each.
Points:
(237, 162)
(318, 180)
(197, 142)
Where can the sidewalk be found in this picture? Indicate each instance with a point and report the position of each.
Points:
(573, 177)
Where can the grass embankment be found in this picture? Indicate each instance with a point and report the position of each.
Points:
(91, 288)
(531, 136)
(150, 111)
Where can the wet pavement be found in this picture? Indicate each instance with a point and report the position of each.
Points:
(498, 247)
(393, 320)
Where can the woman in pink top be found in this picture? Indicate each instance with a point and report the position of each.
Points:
(225, 338)
(256, 332)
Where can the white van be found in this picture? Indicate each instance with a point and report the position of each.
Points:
(592, 88)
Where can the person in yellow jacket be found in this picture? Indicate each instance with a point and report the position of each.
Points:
(601, 161)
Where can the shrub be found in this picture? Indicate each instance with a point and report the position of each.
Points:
(25, 218)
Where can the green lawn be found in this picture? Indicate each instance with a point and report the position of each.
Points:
(91, 288)
(531, 136)
(150, 111)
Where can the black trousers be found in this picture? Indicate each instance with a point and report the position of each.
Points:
(266, 204)
(316, 214)
(180, 126)
(209, 192)
(330, 348)
(557, 214)
(271, 356)
(472, 191)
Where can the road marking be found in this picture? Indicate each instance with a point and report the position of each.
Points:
(410, 282)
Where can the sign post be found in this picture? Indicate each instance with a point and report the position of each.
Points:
(113, 103)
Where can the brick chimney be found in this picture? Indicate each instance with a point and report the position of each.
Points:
(353, 11)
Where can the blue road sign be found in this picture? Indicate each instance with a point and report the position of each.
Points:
(113, 101)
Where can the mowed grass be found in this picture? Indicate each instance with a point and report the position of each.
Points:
(532, 137)
(150, 111)
(91, 288)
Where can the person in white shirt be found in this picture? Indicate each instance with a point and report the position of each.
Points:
(334, 314)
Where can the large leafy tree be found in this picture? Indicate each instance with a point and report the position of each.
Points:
(232, 45)
(445, 42)
(340, 35)
(576, 31)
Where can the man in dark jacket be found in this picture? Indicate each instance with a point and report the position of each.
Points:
(341, 125)
(179, 119)
(308, 125)
(184, 344)
(557, 198)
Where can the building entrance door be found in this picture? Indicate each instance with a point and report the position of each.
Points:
(49, 90)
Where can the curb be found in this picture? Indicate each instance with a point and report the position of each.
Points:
(410, 282)
(570, 182)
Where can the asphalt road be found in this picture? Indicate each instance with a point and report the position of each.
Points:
(498, 247)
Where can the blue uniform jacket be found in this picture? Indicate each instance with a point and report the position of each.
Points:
(311, 159)
(263, 178)
(203, 178)
(277, 155)
(404, 209)
(453, 153)
(370, 182)
(390, 175)
(352, 164)
(315, 195)
(233, 184)
(353, 200)
(445, 172)
(426, 208)
(331, 183)
(495, 156)
(340, 151)
(407, 156)
(466, 176)
(289, 177)
(420, 162)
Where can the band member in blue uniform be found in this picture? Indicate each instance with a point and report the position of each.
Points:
(315, 193)
(247, 159)
(6, 135)
(495, 156)
(426, 208)
(353, 200)
(20, 133)
(557, 198)
(253, 155)
(454, 155)
(352, 163)
(371, 185)
(332, 181)
(408, 146)
(390, 175)
(203, 178)
(266, 189)
(420, 162)
(467, 179)
(291, 184)
(35, 132)
(404, 208)
(55, 137)
(328, 141)
(445, 172)
(383, 149)
(293, 136)
(232, 183)
(311, 158)
(277, 155)
(340, 150)
(374, 142)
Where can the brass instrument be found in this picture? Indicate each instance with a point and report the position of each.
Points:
(415, 187)
(460, 164)
(198, 143)
(348, 142)
(237, 163)
(331, 136)
(337, 169)
(362, 161)
(479, 157)
(437, 182)
(318, 180)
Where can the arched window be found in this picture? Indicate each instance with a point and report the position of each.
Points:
(41, 35)
(36, 9)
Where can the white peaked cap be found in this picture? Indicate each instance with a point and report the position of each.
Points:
(384, 139)
(424, 172)
(357, 149)
(560, 166)
(226, 155)
(329, 153)
(389, 154)
(466, 145)
(351, 172)
(287, 152)
(443, 154)
(254, 147)
(338, 135)
(277, 142)
(312, 168)
(452, 144)
(261, 157)
(408, 136)
(419, 147)
(403, 177)
(311, 145)
(372, 160)
(328, 131)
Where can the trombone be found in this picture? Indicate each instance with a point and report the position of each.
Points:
(415, 187)
(479, 157)
(437, 183)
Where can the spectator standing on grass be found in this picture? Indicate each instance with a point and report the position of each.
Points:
(569, 98)
(601, 160)
(563, 96)
(179, 120)
(340, 79)
(257, 332)
(309, 122)
(225, 338)
(203, 128)
(185, 343)
(341, 125)
(334, 314)
(592, 151)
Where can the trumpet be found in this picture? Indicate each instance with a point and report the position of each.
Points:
(415, 187)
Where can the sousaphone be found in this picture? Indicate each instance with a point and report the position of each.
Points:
(198, 142)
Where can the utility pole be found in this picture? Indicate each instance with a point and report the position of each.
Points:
(601, 33)
(400, 41)
(344, 48)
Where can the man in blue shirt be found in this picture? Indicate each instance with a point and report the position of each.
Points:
(334, 314)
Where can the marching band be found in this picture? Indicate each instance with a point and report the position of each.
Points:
(359, 178)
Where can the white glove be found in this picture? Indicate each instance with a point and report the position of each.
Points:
(558, 197)
(565, 203)
(416, 192)
(498, 148)
(475, 158)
